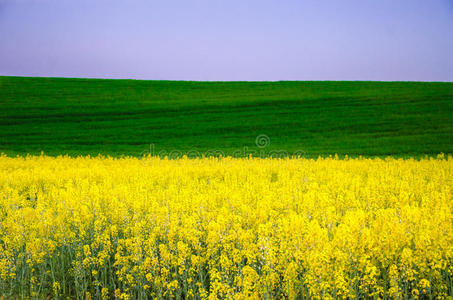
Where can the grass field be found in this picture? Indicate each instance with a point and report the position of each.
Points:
(123, 117)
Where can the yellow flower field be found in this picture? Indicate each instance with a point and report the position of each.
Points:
(128, 228)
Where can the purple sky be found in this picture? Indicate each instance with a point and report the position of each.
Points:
(228, 39)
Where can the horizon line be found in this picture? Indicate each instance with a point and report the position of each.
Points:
(225, 81)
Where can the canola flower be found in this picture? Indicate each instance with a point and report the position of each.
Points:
(224, 228)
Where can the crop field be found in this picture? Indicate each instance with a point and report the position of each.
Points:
(132, 189)
(245, 228)
(124, 117)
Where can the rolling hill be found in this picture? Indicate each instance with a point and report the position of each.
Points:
(124, 117)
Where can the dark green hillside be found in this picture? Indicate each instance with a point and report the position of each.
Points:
(123, 117)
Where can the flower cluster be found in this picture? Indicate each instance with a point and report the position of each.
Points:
(127, 228)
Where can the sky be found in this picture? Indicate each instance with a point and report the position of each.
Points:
(223, 40)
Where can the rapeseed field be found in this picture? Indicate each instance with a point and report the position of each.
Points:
(225, 228)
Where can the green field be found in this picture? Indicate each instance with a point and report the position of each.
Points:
(124, 117)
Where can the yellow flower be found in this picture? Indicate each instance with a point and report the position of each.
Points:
(56, 287)
(226, 228)
(105, 293)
